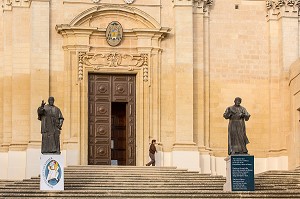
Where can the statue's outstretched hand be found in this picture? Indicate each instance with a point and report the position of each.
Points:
(43, 104)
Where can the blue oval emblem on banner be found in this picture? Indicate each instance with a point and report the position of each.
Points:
(114, 33)
(52, 173)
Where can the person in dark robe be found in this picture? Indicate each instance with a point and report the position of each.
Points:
(237, 138)
(51, 124)
(152, 151)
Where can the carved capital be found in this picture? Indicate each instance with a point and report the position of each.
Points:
(204, 5)
(113, 60)
(7, 5)
(275, 6)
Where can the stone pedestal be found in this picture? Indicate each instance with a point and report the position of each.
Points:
(52, 172)
(239, 173)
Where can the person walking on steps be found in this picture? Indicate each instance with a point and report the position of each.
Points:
(152, 151)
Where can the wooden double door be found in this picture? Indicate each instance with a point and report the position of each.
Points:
(111, 100)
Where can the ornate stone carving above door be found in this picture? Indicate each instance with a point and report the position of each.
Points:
(114, 59)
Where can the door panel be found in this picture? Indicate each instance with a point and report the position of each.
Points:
(120, 89)
(124, 90)
(105, 125)
(99, 120)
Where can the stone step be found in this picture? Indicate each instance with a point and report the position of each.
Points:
(149, 194)
(151, 182)
(121, 178)
(141, 182)
(143, 174)
(132, 186)
(123, 167)
(199, 187)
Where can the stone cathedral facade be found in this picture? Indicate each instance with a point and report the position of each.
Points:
(124, 72)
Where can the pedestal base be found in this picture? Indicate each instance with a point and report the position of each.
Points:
(239, 173)
(52, 172)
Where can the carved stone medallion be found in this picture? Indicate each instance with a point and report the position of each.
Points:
(114, 33)
(129, 1)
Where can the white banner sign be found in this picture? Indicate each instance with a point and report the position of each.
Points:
(52, 172)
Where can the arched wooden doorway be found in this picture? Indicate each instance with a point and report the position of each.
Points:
(87, 53)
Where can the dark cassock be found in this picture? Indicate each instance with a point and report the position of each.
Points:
(237, 138)
(51, 124)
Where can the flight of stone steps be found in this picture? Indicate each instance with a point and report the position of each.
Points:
(126, 182)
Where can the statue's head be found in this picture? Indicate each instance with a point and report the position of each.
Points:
(51, 101)
(237, 101)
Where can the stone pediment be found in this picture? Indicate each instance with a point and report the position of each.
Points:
(100, 16)
(86, 34)
(89, 27)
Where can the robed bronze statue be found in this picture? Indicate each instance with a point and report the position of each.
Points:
(237, 138)
(51, 124)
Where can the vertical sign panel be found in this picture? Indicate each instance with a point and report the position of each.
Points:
(242, 173)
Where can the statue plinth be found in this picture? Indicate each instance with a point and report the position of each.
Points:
(51, 172)
(239, 173)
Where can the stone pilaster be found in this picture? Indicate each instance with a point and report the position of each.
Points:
(20, 78)
(183, 11)
(201, 71)
(282, 16)
(286, 13)
(39, 78)
(1, 75)
(40, 66)
(7, 76)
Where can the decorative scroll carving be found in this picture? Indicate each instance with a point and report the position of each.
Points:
(277, 4)
(113, 60)
(204, 4)
(80, 65)
(145, 66)
(7, 5)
